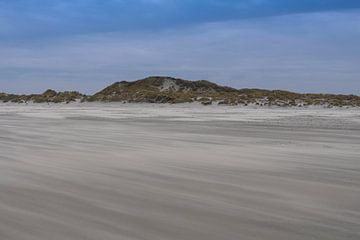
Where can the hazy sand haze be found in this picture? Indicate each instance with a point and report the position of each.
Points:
(113, 171)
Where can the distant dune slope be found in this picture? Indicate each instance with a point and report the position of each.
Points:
(174, 90)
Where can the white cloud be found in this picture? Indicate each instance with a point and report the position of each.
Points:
(308, 52)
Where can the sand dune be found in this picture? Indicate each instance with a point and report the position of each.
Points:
(97, 171)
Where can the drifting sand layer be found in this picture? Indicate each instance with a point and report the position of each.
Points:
(97, 171)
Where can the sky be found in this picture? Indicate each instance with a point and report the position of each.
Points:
(84, 45)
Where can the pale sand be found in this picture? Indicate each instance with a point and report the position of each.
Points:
(184, 172)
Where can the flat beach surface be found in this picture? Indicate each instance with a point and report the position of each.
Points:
(178, 172)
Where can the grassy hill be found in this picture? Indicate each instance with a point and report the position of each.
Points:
(174, 90)
(47, 96)
(160, 90)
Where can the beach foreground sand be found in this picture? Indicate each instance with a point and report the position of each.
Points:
(110, 171)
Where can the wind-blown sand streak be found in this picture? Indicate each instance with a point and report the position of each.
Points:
(98, 171)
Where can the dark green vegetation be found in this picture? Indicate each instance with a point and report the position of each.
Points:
(47, 96)
(172, 90)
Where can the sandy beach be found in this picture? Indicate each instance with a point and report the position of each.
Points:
(178, 172)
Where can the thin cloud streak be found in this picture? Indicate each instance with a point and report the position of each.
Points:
(306, 52)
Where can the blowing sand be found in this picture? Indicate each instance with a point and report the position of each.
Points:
(96, 171)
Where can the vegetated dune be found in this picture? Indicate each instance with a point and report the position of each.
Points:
(173, 90)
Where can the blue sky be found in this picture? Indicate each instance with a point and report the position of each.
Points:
(302, 45)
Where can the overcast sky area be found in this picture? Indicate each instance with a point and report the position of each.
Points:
(84, 45)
